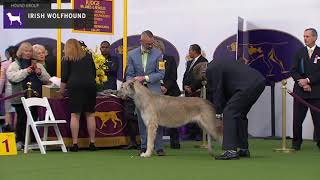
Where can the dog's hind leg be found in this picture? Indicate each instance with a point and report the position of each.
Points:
(151, 135)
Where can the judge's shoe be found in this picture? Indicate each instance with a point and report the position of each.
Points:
(228, 155)
(160, 152)
(244, 153)
(318, 144)
(142, 150)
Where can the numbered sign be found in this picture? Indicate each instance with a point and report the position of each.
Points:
(8, 144)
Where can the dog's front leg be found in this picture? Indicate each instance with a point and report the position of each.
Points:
(151, 135)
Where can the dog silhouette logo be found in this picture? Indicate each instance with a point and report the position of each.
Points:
(14, 18)
(108, 116)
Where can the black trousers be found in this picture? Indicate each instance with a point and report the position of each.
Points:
(174, 136)
(22, 121)
(299, 114)
(235, 121)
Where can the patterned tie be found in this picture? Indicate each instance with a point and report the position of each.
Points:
(310, 51)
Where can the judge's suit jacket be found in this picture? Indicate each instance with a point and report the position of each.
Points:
(135, 67)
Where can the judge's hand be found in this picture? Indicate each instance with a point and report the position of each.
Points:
(188, 89)
(302, 82)
(139, 78)
(307, 88)
(163, 89)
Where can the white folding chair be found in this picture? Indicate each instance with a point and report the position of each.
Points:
(47, 122)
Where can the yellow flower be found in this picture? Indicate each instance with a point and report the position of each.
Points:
(99, 61)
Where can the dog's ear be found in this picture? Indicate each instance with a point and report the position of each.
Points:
(131, 85)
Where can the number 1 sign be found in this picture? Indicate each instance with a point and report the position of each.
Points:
(8, 144)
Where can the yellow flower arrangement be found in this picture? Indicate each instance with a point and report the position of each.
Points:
(100, 63)
(101, 77)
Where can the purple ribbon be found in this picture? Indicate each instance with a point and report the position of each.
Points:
(302, 101)
(12, 96)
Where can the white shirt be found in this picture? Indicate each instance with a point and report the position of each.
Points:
(311, 49)
(194, 61)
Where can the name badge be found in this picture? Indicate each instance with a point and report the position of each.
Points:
(162, 65)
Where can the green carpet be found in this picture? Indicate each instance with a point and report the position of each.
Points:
(186, 163)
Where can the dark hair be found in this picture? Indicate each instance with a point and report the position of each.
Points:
(148, 33)
(196, 48)
(313, 31)
(12, 50)
(105, 42)
(82, 43)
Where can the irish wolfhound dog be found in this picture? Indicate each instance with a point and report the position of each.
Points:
(160, 110)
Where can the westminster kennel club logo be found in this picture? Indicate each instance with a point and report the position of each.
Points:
(268, 51)
(109, 117)
(13, 18)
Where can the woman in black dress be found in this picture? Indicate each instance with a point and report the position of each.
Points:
(78, 76)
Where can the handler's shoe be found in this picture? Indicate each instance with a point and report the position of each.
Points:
(244, 153)
(228, 155)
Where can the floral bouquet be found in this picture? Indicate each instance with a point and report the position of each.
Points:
(101, 77)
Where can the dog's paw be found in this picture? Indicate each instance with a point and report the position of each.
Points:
(145, 155)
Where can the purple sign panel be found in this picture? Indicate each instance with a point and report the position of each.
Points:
(103, 15)
(268, 51)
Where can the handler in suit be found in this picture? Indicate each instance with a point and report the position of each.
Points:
(233, 88)
(169, 87)
(145, 65)
(191, 85)
(305, 71)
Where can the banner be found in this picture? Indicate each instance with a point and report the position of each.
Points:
(103, 21)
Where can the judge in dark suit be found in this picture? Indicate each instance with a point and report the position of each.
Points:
(169, 86)
(305, 71)
(233, 88)
(112, 64)
(191, 85)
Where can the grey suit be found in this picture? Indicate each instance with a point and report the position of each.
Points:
(135, 68)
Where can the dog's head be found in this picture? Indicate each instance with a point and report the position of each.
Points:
(127, 89)
(9, 14)
(199, 71)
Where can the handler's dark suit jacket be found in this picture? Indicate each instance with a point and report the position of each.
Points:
(229, 77)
